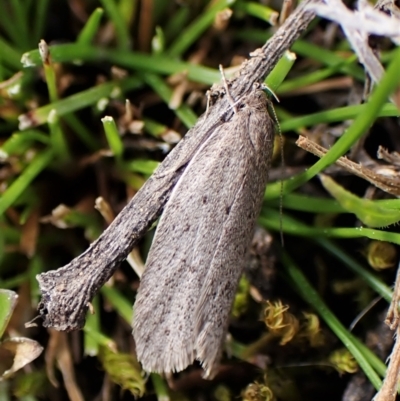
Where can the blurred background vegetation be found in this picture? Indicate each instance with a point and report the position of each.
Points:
(307, 320)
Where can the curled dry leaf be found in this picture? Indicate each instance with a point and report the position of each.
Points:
(24, 351)
(366, 19)
(58, 351)
(222, 18)
(357, 25)
(389, 157)
(170, 136)
(57, 216)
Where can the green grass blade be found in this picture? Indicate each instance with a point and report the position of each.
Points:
(270, 218)
(120, 26)
(309, 204)
(8, 301)
(113, 137)
(19, 143)
(91, 27)
(81, 131)
(78, 101)
(366, 210)
(21, 22)
(128, 10)
(306, 49)
(373, 281)
(305, 203)
(184, 112)
(307, 79)
(92, 334)
(196, 29)
(38, 164)
(358, 128)
(257, 10)
(57, 137)
(310, 295)
(8, 55)
(121, 305)
(176, 24)
(160, 387)
(280, 71)
(39, 20)
(161, 64)
(336, 115)
(8, 27)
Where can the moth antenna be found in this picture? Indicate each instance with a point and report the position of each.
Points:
(282, 164)
(208, 95)
(231, 101)
(281, 194)
(32, 322)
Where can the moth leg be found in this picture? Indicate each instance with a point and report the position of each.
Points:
(228, 94)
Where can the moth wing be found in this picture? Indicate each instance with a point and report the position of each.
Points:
(218, 291)
(170, 325)
(179, 257)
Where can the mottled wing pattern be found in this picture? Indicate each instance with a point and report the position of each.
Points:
(186, 292)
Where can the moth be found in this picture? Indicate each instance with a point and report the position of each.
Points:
(197, 256)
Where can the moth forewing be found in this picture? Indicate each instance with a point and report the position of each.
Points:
(196, 259)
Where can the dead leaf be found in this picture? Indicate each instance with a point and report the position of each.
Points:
(30, 233)
(58, 351)
(24, 351)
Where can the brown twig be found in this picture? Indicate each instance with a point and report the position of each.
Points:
(67, 291)
(387, 184)
(389, 387)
